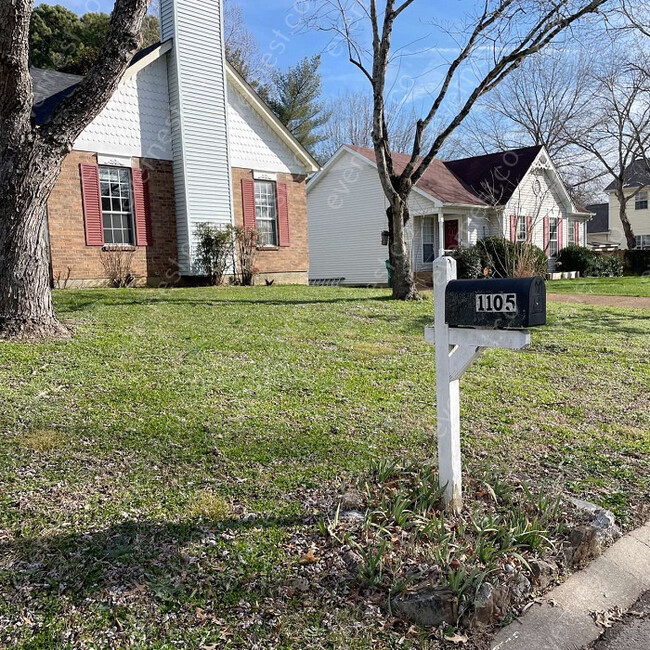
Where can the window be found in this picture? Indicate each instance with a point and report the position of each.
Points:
(117, 205)
(641, 201)
(428, 240)
(572, 232)
(643, 242)
(553, 236)
(266, 212)
(522, 229)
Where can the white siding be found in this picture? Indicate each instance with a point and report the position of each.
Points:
(197, 94)
(639, 220)
(253, 143)
(347, 213)
(548, 200)
(136, 120)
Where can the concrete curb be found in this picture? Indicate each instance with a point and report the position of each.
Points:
(564, 622)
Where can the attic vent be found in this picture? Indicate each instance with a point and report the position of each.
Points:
(543, 161)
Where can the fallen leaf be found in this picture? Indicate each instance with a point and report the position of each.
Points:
(457, 639)
(309, 557)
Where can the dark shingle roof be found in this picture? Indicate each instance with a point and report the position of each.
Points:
(437, 181)
(637, 174)
(599, 223)
(494, 176)
(52, 87)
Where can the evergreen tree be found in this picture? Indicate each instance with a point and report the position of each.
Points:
(294, 96)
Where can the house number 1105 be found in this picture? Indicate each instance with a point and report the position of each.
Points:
(496, 302)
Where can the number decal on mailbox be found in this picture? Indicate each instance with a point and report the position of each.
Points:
(496, 302)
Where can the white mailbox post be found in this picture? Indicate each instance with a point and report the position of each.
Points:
(456, 348)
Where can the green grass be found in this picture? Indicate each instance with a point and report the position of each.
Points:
(638, 286)
(133, 452)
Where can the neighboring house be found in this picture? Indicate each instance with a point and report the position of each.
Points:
(637, 187)
(183, 141)
(514, 194)
(598, 229)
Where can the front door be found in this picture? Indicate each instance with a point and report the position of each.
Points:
(451, 234)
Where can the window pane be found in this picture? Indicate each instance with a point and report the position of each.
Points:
(117, 210)
(266, 212)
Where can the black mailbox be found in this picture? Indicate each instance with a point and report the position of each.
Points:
(496, 304)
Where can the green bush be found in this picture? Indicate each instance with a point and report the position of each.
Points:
(637, 261)
(215, 248)
(577, 258)
(505, 259)
(588, 263)
(468, 263)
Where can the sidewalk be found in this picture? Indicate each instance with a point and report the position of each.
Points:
(567, 618)
(633, 302)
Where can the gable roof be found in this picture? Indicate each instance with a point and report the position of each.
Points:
(637, 174)
(52, 87)
(495, 176)
(437, 181)
(600, 221)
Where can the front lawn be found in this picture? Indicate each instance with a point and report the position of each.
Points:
(628, 286)
(163, 471)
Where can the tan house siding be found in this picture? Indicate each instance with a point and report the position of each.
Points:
(81, 265)
(290, 264)
(639, 219)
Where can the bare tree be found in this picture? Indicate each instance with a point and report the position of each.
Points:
(31, 157)
(510, 30)
(242, 50)
(351, 123)
(616, 126)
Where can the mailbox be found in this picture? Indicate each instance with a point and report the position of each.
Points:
(496, 304)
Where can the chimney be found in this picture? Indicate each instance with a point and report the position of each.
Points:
(197, 96)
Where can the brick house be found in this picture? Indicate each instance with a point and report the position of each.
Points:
(184, 140)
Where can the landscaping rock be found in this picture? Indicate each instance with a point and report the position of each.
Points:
(352, 500)
(542, 573)
(352, 560)
(352, 515)
(520, 587)
(602, 521)
(428, 606)
(584, 545)
(491, 604)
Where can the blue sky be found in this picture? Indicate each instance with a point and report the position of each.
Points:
(276, 26)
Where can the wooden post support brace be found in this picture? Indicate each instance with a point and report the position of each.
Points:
(456, 349)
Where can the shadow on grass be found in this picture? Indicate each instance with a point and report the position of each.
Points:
(164, 562)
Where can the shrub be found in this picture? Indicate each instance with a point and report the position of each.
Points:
(637, 261)
(214, 250)
(245, 248)
(577, 258)
(608, 266)
(468, 263)
(117, 263)
(505, 259)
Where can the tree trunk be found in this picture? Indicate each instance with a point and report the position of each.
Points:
(400, 254)
(627, 227)
(26, 310)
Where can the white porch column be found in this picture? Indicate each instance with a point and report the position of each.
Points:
(441, 233)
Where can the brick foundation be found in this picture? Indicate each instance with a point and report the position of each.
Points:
(76, 265)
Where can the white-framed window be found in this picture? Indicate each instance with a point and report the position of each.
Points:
(643, 242)
(117, 205)
(522, 229)
(572, 232)
(553, 236)
(428, 240)
(641, 201)
(266, 212)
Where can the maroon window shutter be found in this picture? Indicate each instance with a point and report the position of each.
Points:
(559, 234)
(529, 230)
(513, 227)
(248, 201)
(547, 233)
(283, 215)
(92, 205)
(576, 233)
(142, 208)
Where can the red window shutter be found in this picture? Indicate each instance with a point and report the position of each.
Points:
(513, 227)
(142, 208)
(547, 233)
(576, 233)
(248, 201)
(283, 214)
(559, 234)
(92, 205)
(529, 230)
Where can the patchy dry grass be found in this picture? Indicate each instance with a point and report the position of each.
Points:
(202, 430)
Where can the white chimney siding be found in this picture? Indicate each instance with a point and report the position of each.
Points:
(198, 104)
